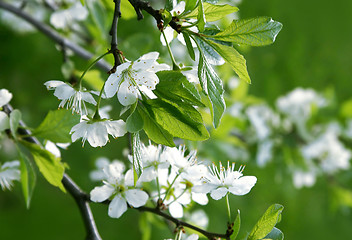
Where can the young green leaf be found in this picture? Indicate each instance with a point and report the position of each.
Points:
(234, 58)
(137, 157)
(266, 223)
(15, 117)
(236, 226)
(154, 131)
(56, 126)
(212, 86)
(209, 53)
(189, 45)
(173, 85)
(259, 31)
(190, 5)
(212, 12)
(201, 16)
(28, 177)
(166, 16)
(180, 120)
(134, 122)
(275, 234)
(50, 166)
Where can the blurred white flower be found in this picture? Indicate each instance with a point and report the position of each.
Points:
(97, 131)
(70, 97)
(297, 105)
(263, 119)
(303, 178)
(329, 151)
(118, 186)
(221, 181)
(100, 163)
(9, 172)
(134, 77)
(64, 18)
(264, 152)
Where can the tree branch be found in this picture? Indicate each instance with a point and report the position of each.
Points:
(141, 5)
(113, 34)
(55, 36)
(81, 198)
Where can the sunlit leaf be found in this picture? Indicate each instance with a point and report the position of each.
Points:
(189, 45)
(212, 12)
(236, 226)
(50, 166)
(134, 122)
(154, 131)
(275, 234)
(234, 58)
(259, 31)
(201, 16)
(28, 177)
(57, 125)
(213, 88)
(267, 222)
(137, 156)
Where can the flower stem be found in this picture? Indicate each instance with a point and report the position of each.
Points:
(89, 67)
(174, 64)
(168, 190)
(228, 207)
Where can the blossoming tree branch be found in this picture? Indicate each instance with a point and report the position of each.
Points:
(163, 103)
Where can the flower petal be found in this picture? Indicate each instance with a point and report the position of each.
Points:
(148, 79)
(64, 91)
(97, 134)
(127, 93)
(100, 194)
(219, 193)
(116, 128)
(176, 210)
(53, 84)
(79, 131)
(136, 197)
(87, 97)
(117, 207)
(243, 185)
(112, 84)
(200, 198)
(5, 97)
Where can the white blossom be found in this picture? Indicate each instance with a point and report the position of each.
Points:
(118, 186)
(64, 18)
(5, 97)
(97, 131)
(9, 172)
(71, 97)
(220, 182)
(264, 152)
(134, 77)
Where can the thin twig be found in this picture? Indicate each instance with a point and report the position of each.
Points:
(55, 36)
(139, 5)
(113, 34)
(81, 198)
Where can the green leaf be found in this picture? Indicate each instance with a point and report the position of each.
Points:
(275, 234)
(57, 125)
(134, 122)
(98, 13)
(201, 16)
(267, 222)
(173, 85)
(166, 16)
(189, 45)
(212, 12)
(28, 177)
(137, 157)
(211, 55)
(94, 79)
(154, 131)
(180, 120)
(213, 88)
(234, 58)
(127, 10)
(259, 31)
(50, 166)
(169, 5)
(82, 1)
(190, 5)
(236, 226)
(15, 117)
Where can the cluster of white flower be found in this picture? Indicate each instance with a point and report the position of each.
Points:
(130, 80)
(174, 178)
(320, 146)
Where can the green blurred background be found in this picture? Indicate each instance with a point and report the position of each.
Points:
(313, 50)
